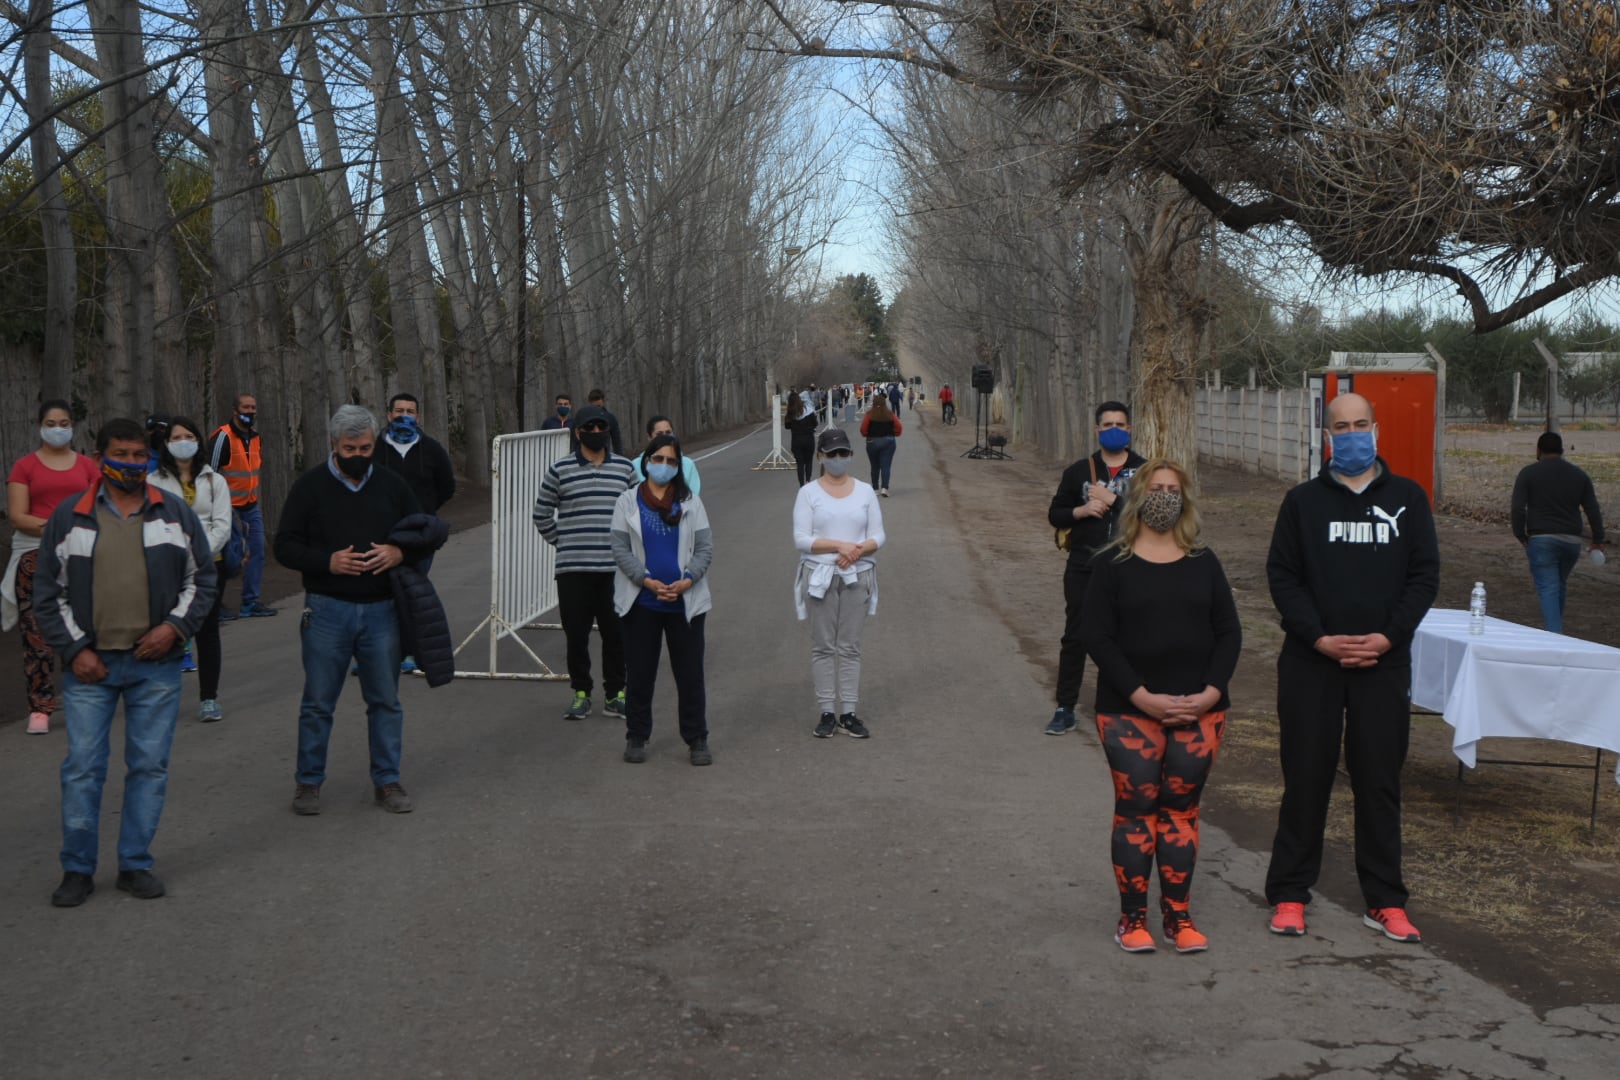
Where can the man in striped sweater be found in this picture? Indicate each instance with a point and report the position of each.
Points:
(574, 514)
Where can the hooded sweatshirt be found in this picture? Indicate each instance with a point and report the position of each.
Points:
(1344, 562)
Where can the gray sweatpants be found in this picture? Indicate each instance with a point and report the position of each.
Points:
(836, 621)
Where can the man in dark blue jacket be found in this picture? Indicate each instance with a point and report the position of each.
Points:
(335, 528)
(125, 579)
(1353, 568)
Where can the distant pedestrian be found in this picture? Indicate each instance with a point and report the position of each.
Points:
(615, 437)
(894, 398)
(125, 577)
(801, 425)
(911, 398)
(561, 415)
(37, 484)
(662, 425)
(1548, 498)
(335, 530)
(1353, 568)
(418, 457)
(234, 453)
(180, 471)
(662, 546)
(1161, 623)
(881, 429)
(1087, 503)
(838, 528)
(947, 403)
(574, 514)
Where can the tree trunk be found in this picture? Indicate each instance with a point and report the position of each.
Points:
(61, 265)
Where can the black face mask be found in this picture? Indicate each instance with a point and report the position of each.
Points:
(594, 440)
(354, 467)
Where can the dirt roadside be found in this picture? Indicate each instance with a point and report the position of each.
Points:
(1514, 888)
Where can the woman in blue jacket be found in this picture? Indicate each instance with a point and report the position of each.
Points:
(662, 545)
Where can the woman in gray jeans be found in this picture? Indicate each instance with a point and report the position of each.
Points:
(837, 527)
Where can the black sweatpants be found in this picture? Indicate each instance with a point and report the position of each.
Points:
(645, 631)
(581, 600)
(1318, 703)
(1071, 653)
(804, 459)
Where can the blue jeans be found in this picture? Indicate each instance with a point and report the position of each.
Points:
(252, 519)
(1551, 560)
(880, 452)
(151, 693)
(333, 631)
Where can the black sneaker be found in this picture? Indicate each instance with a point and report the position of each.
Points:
(700, 753)
(74, 890)
(851, 725)
(141, 884)
(635, 751)
(826, 726)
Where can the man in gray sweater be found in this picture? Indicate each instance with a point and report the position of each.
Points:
(1548, 498)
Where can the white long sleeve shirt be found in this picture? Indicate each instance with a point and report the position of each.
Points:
(855, 518)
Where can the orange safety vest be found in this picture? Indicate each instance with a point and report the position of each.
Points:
(242, 471)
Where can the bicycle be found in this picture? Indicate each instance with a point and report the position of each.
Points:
(948, 412)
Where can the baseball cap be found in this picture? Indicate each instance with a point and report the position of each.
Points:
(833, 438)
(590, 414)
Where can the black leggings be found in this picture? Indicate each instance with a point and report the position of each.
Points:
(804, 457)
(1159, 774)
(207, 645)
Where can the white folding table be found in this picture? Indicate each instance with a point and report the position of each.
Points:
(1517, 682)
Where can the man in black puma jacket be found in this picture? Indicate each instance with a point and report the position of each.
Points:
(1354, 567)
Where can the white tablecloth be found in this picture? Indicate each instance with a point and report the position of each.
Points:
(1516, 682)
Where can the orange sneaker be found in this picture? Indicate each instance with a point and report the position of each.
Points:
(1180, 931)
(1393, 923)
(1288, 918)
(1132, 934)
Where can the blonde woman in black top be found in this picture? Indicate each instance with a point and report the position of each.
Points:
(1160, 622)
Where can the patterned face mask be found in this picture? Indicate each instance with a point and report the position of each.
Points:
(1160, 510)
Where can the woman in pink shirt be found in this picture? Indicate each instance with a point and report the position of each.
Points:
(38, 483)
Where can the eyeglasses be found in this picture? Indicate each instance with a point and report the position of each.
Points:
(838, 453)
(662, 460)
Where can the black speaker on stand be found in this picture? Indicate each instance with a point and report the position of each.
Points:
(992, 446)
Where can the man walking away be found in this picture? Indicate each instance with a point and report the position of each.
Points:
(125, 578)
(1353, 568)
(421, 459)
(1548, 498)
(1088, 500)
(234, 454)
(334, 530)
(599, 399)
(574, 513)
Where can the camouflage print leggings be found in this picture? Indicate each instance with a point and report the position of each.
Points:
(39, 662)
(1159, 774)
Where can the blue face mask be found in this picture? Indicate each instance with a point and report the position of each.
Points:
(1114, 439)
(659, 473)
(402, 429)
(1353, 453)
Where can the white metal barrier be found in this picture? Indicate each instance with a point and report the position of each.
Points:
(776, 459)
(523, 567)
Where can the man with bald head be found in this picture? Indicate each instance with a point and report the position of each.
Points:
(1354, 566)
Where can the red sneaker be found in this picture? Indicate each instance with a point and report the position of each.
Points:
(1288, 918)
(1132, 934)
(1393, 923)
(1180, 932)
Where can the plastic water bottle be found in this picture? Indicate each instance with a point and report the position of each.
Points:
(1476, 609)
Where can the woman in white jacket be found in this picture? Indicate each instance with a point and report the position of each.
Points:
(206, 492)
(838, 528)
(662, 545)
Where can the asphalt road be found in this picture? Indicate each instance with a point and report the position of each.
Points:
(934, 901)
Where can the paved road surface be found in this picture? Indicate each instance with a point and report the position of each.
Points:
(935, 901)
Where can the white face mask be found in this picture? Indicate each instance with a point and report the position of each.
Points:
(57, 437)
(183, 449)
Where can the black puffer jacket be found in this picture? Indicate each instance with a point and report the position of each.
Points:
(424, 629)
